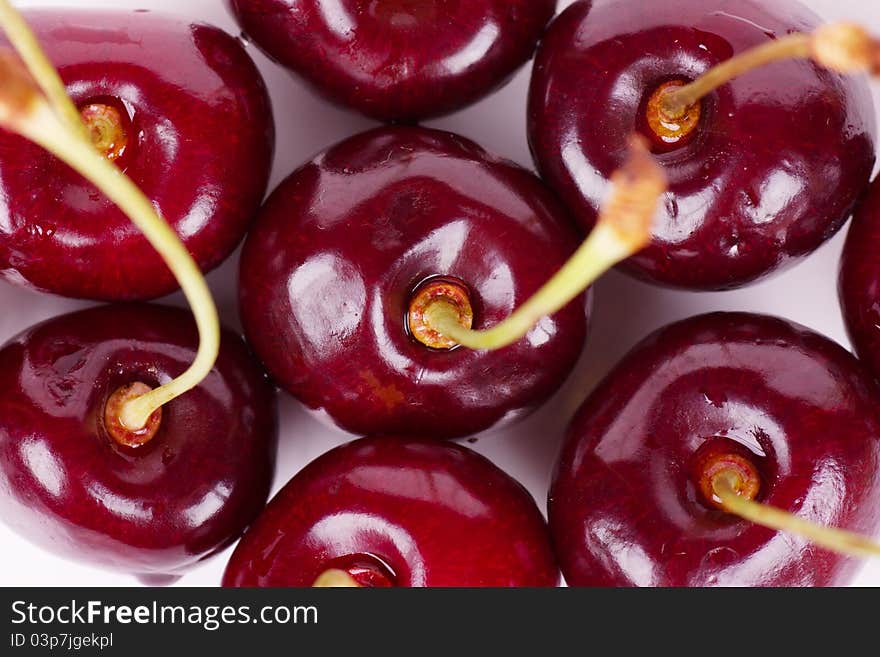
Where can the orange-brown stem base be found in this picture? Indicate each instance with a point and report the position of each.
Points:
(121, 434)
(441, 290)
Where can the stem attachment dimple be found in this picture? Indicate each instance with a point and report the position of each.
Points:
(727, 486)
(432, 294)
(736, 466)
(671, 130)
(840, 47)
(26, 112)
(107, 129)
(623, 229)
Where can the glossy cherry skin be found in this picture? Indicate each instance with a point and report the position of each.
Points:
(398, 60)
(624, 510)
(860, 280)
(154, 510)
(774, 169)
(200, 147)
(329, 268)
(424, 513)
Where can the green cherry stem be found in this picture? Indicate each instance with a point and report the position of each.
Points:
(25, 111)
(41, 69)
(840, 47)
(623, 229)
(727, 486)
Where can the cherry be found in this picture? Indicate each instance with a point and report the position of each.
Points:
(181, 109)
(860, 280)
(349, 251)
(700, 418)
(152, 502)
(397, 512)
(111, 449)
(762, 170)
(398, 60)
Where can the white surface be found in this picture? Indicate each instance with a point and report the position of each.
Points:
(625, 310)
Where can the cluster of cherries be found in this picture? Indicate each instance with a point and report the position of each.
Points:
(414, 288)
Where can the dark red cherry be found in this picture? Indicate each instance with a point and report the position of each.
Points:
(773, 167)
(69, 486)
(781, 405)
(340, 249)
(398, 512)
(182, 109)
(860, 280)
(398, 60)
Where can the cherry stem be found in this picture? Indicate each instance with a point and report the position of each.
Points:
(25, 111)
(726, 484)
(335, 579)
(841, 47)
(623, 229)
(41, 69)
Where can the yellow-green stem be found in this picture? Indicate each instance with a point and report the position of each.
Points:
(837, 540)
(842, 47)
(41, 69)
(40, 125)
(600, 252)
(623, 229)
(676, 102)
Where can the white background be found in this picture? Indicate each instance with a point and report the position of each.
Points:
(625, 311)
